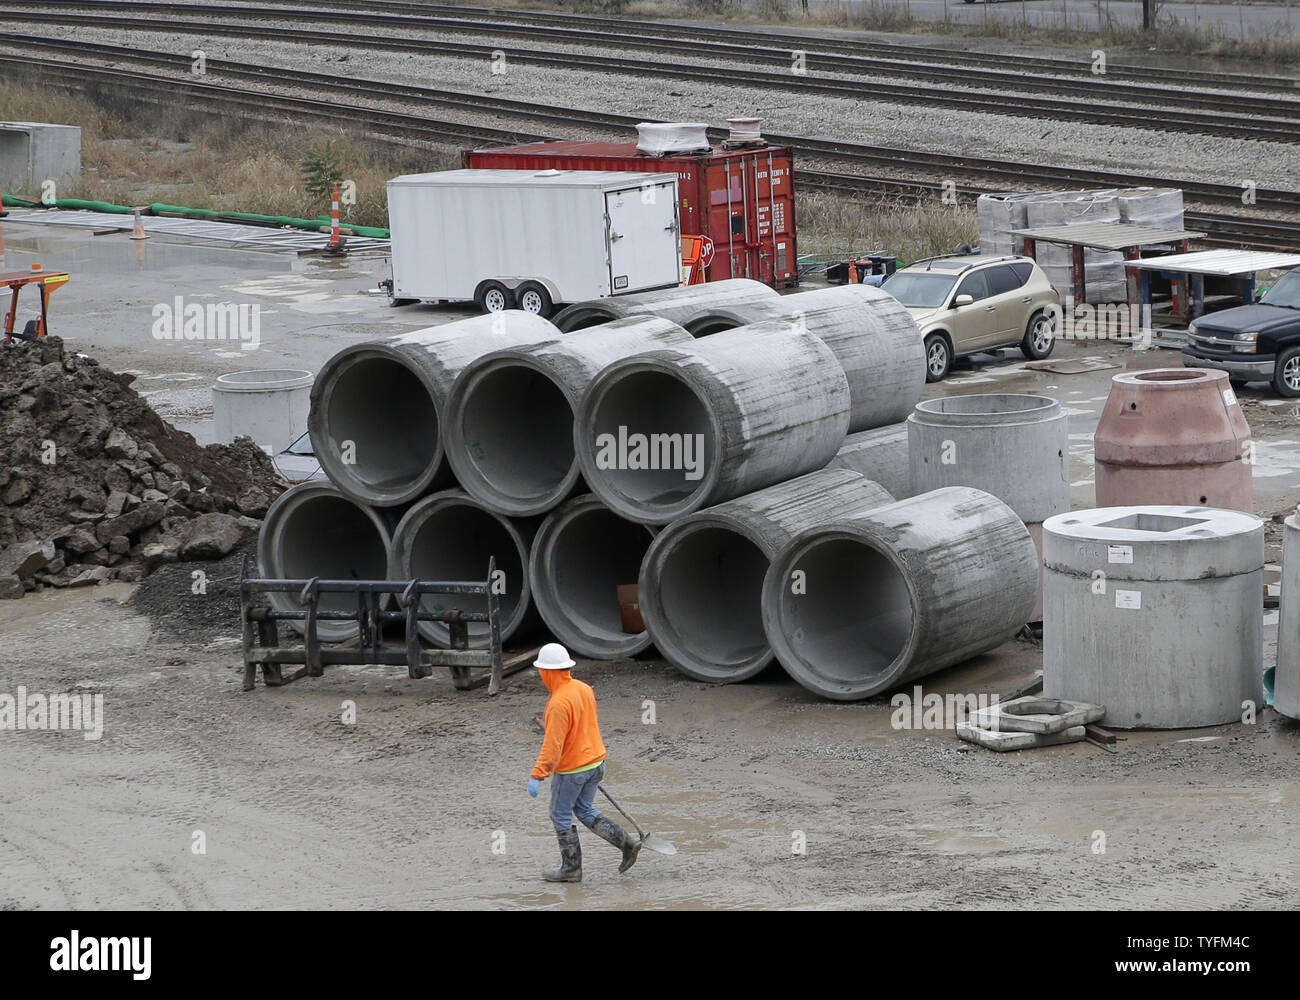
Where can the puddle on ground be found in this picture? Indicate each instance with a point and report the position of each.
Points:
(81, 253)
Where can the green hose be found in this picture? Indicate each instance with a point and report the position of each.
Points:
(158, 208)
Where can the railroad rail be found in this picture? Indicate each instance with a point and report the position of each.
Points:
(970, 175)
(1271, 119)
(820, 47)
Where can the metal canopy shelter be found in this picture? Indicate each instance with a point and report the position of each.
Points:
(1110, 236)
(1233, 270)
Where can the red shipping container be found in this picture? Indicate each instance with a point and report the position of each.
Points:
(742, 199)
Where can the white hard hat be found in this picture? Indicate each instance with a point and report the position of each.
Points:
(553, 656)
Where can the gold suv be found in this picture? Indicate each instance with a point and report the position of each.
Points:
(966, 304)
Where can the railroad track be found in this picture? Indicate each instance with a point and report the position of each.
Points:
(255, 103)
(1271, 119)
(389, 12)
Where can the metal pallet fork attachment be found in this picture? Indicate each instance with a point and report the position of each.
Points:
(261, 640)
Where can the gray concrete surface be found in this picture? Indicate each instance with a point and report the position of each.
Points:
(1154, 613)
(1012, 445)
(867, 600)
(701, 583)
(747, 408)
(510, 414)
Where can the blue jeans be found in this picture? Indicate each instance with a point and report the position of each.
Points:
(572, 795)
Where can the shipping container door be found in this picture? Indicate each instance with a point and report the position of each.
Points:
(645, 247)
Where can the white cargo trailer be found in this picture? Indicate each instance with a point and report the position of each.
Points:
(525, 239)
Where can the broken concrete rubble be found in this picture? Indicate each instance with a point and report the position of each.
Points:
(91, 477)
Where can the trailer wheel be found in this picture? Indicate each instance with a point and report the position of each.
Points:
(533, 297)
(493, 297)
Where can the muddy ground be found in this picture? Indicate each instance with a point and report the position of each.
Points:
(422, 802)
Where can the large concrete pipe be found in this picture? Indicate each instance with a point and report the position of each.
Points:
(664, 433)
(313, 530)
(1016, 447)
(675, 304)
(701, 584)
(1173, 436)
(861, 604)
(880, 455)
(509, 418)
(377, 407)
(450, 536)
(582, 554)
(1286, 678)
(1154, 612)
(875, 339)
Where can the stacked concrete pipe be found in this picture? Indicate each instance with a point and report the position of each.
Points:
(508, 421)
(1173, 436)
(1286, 678)
(451, 536)
(673, 304)
(701, 584)
(1154, 612)
(1016, 447)
(315, 530)
(724, 416)
(377, 407)
(880, 454)
(860, 604)
(582, 554)
(874, 338)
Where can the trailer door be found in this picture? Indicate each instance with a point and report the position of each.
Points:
(644, 238)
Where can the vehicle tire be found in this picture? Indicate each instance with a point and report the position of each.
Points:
(494, 297)
(1286, 373)
(1040, 336)
(938, 357)
(532, 297)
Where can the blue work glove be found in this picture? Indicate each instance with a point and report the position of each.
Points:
(534, 786)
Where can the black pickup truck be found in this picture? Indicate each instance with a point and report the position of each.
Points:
(1255, 343)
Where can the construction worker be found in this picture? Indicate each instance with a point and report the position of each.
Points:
(574, 754)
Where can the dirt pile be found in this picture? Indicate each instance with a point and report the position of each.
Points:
(94, 485)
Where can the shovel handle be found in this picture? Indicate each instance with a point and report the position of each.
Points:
(622, 810)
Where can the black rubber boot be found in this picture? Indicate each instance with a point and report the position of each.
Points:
(570, 869)
(607, 829)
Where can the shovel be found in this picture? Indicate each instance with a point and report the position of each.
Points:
(656, 844)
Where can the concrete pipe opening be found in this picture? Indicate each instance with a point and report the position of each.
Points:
(583, 553)
(1172, 376)
(586, 315)
(515, 439)
(450, 537)
(313, 530)
(378, 433)
(847, 623)
(654, 443)
(708, 615)
(997, 406)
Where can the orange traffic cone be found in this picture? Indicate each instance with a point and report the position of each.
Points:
(138, 232)
(335, 245)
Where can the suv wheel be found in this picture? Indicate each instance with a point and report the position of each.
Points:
(1040, 336)
(938, 357)
(1286, 374)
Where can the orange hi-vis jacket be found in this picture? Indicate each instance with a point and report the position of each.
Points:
(572, 740)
